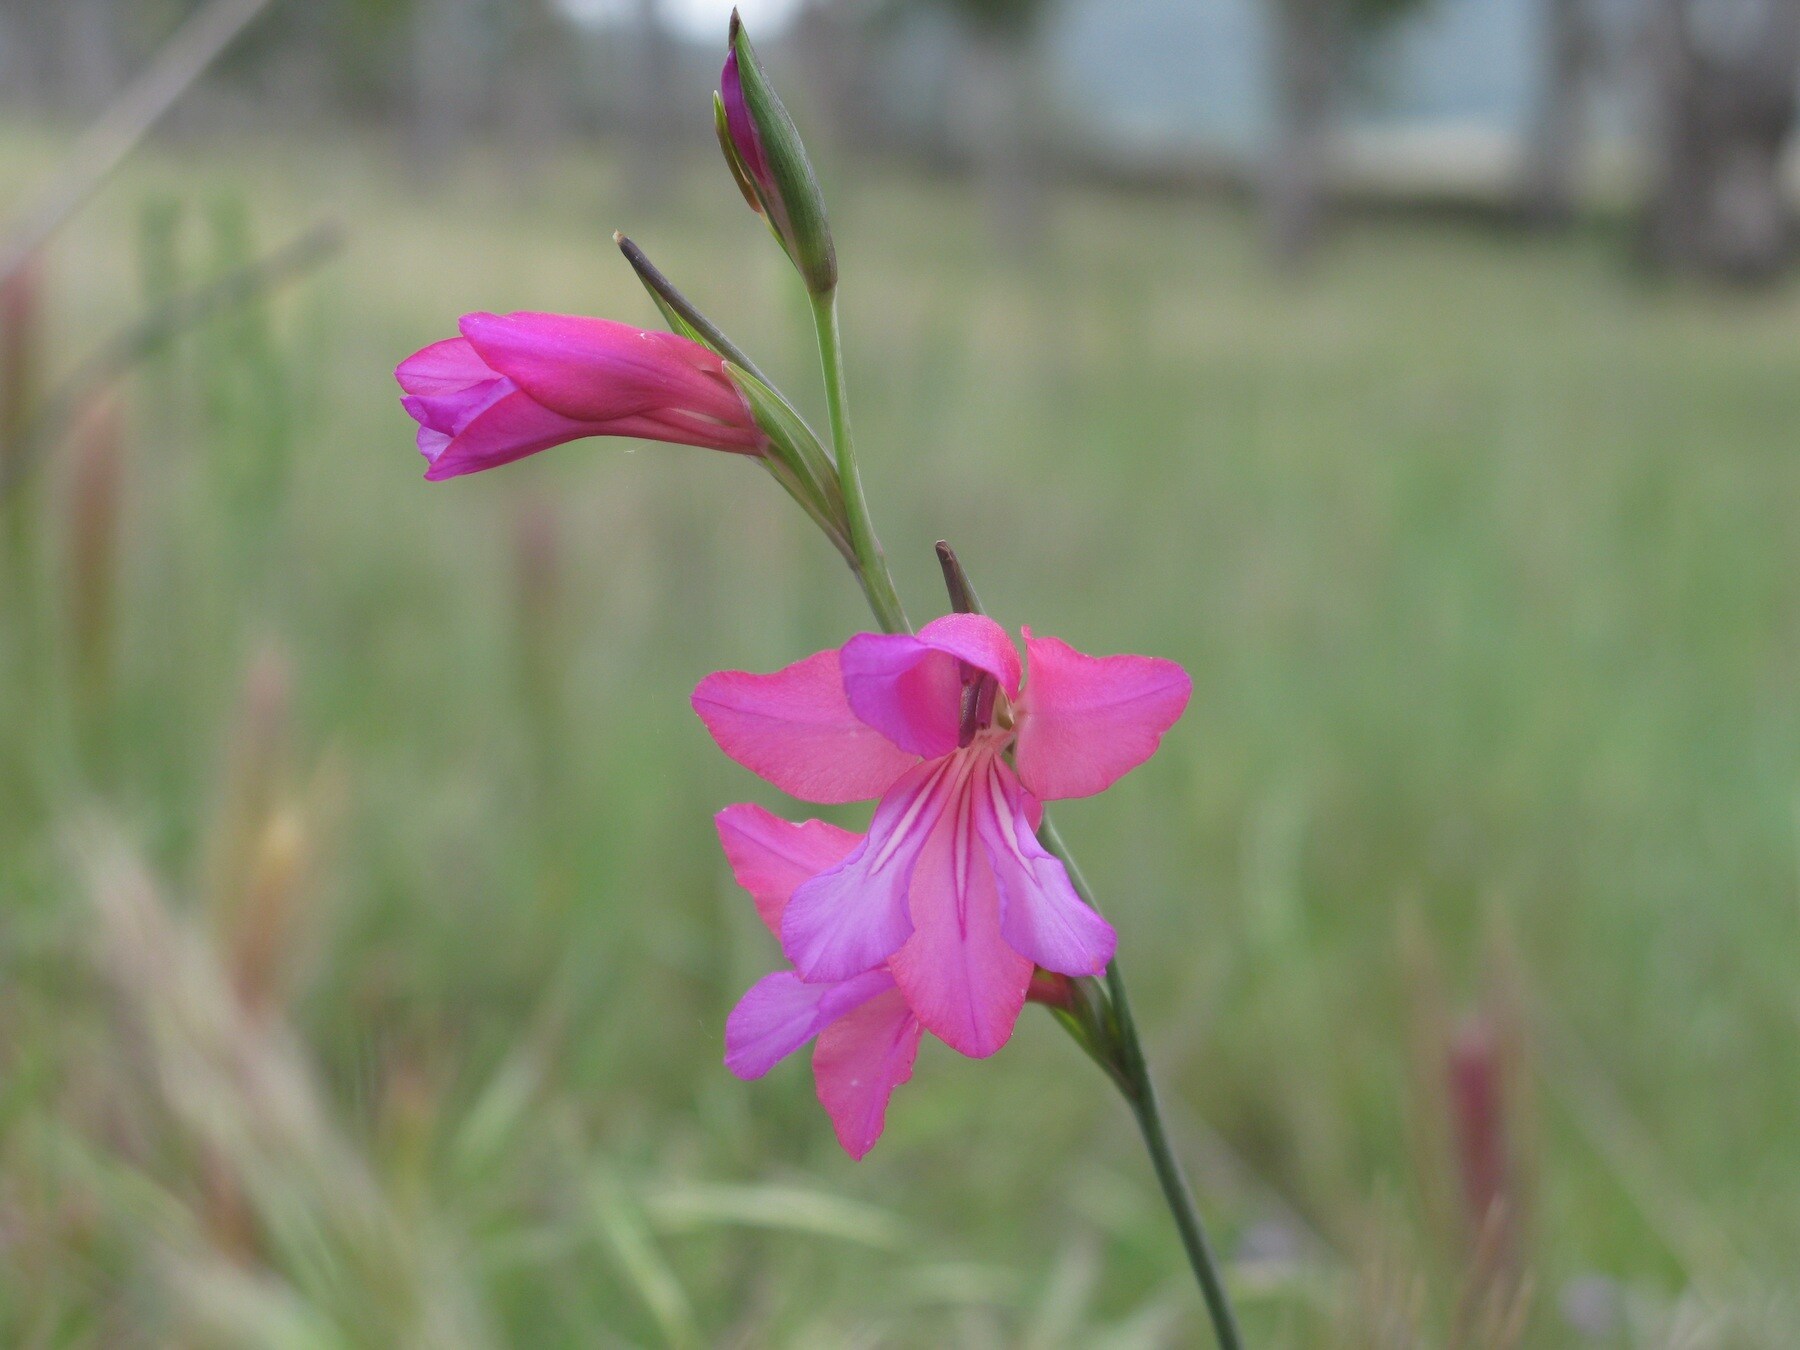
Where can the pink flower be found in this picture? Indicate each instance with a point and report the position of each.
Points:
(515, 384)
(950, 889)
(867, 1035)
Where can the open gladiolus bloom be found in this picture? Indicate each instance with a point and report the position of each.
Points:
(950, 891)
(515, 384)
(956, 906)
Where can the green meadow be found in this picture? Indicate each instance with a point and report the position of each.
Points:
(365, 945)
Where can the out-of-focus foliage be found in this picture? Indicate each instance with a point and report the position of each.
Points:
(389, 1003)
(1007, 18)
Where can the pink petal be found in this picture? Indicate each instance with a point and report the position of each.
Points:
(855, 916)
(447, 387)
(910, 688)
(1041, 916)
(510, 429)
(1087, 721)
(443, 368)
(909, 692)
(596, 370)
(780, 1014)
(795, 729)
(770, 856)
(432, 444)
(859, 1061)
(981, 642)
(959, 975)
(680, 427)
(450, 413)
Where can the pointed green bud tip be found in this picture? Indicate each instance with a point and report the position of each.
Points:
(763, 148)
(680, 313)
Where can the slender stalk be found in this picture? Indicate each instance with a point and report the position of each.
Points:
(872, 568)
(1108, 1034)
(1180, 1198)
(1139, 1090)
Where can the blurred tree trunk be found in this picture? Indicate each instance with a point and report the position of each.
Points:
(1553, 152)
(1724, 103)
(447, 77)
(653, 77)
(91, 60)
(535, 83)
(999, 107)
(23, 80)
(833, 47)
(1307, 37)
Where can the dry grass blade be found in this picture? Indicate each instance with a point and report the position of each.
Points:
(123, 349)
(284, 1192)
(620, 1222)
(787, 1208)
(182, 60)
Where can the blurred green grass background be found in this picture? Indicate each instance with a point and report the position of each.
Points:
(1482, 556)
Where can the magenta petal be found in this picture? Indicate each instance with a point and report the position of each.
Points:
(981, 642)
(452, 412)
(959, 975)
(511, 429)
(855, 916)
(770, 856)
(780, 1014)
(859, 1061)
(1087, 721)
(447, 387)
(597, 370)
(910, 688)
(909, 692)
(443, 368)
(1041, 916)
(795, 729)
(432, 444)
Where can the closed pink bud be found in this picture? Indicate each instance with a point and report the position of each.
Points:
(1475, 1072)
(515, 384)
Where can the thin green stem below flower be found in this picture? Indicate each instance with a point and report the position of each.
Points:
(1132, 1075)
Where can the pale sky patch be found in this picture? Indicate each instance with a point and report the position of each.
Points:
(700, 20)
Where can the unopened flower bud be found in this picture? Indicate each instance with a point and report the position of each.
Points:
(21, 313)
(514, 384)
(97, 465)
(252, 783)
(770, 165)
(262, 940)
(1476, 1079)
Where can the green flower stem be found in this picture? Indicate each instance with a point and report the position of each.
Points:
(1108, 1034)
(871, 565)
(1131, 1072)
